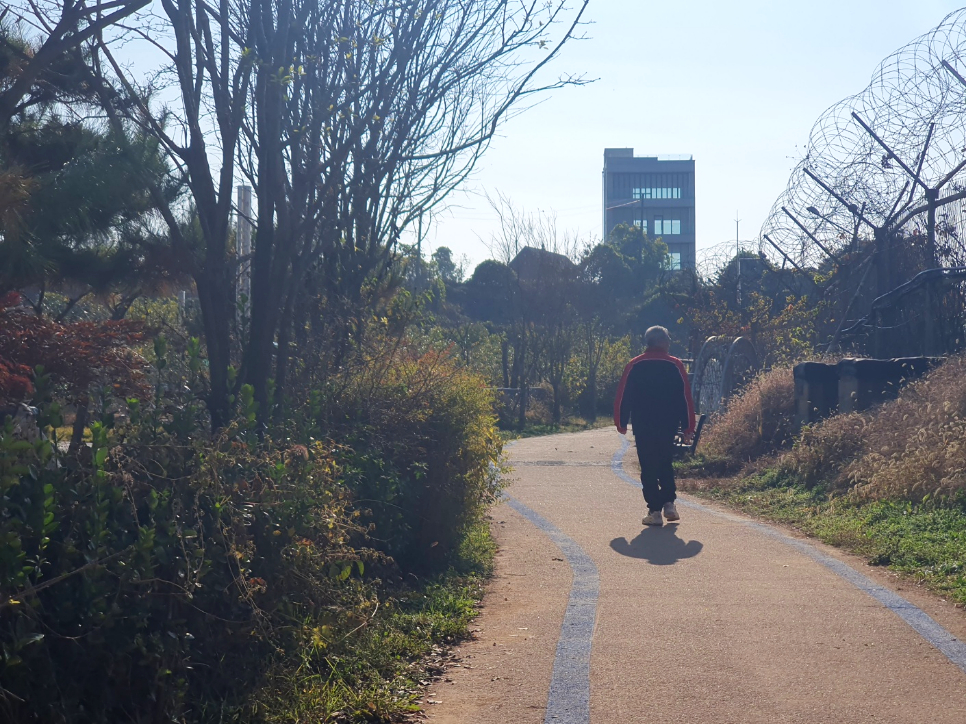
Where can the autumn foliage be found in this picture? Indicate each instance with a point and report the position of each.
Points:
(77, 355)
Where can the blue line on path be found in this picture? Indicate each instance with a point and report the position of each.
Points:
(569, 698)
(948, 645)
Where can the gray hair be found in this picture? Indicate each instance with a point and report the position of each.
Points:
(657, 337)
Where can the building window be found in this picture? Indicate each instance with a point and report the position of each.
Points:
(666, 227)
(641, 223)
(674, 261)
(656, 192)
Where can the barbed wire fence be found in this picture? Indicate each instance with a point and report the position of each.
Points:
(878, 203)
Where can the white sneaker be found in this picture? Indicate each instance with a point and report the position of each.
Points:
(653, 518)
(670, 512)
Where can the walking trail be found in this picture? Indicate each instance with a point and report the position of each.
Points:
(591, 618)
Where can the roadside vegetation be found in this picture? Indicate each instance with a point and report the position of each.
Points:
(887, 484)
(246, 454)
(298, 570)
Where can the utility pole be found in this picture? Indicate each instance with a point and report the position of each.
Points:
(419, 255)
(244, 250)
(738, 257)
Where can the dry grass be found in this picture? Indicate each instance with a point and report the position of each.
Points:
(912, 448)
(916, 446)
(909, 449)
(761, 420)
(823, 451)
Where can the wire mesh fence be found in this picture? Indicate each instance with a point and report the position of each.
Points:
(879, 199)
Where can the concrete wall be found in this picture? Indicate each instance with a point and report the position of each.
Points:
(852, 385)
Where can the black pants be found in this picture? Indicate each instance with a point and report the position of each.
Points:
(655, 452)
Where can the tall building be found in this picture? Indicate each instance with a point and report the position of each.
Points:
(655, 193)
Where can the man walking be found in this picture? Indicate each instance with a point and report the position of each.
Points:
(655, 396)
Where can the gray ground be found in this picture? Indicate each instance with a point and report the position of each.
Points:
(703, 621)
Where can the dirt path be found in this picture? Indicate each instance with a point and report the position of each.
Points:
(716, 619)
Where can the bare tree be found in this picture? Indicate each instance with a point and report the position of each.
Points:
(544, 297)
(385, 111)
(351, 120)
(520, 228)
(206, 54)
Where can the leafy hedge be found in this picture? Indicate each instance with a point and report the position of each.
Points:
(159, 574)
(419, 438)
(162, 574)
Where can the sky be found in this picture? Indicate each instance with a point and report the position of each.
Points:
(738, 85)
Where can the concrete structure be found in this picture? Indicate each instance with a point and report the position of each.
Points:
(656, 193)
(853, 385)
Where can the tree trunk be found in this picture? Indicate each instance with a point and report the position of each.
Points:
(522, 415)
(516, 370)
(555, 385)
(217, 314)
(283, 357)
(590, 409)
(505, 360)
(80, 422)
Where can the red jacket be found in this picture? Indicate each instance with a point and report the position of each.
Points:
(623, 407)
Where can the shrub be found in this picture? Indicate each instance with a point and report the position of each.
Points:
(160, 576)
(15, 382)
(759, 421)
(539, 403)
(77, 356)
(167, 574)
(614, 357)
(420, 442)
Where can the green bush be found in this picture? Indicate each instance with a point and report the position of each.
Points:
(153, 577)
(420, 441)
(167, 574)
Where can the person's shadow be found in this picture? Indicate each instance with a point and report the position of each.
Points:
(659, 546)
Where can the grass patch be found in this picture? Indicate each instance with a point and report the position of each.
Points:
(706, 465)
(926, 540)
(375, 669)
(536, 429)
(378, 675)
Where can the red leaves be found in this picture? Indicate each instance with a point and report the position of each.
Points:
(78, 355)
(14, 382)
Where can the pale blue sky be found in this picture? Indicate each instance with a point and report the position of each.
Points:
(738, 85)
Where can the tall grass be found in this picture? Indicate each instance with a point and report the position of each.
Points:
(759, 421)
(912, 448)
